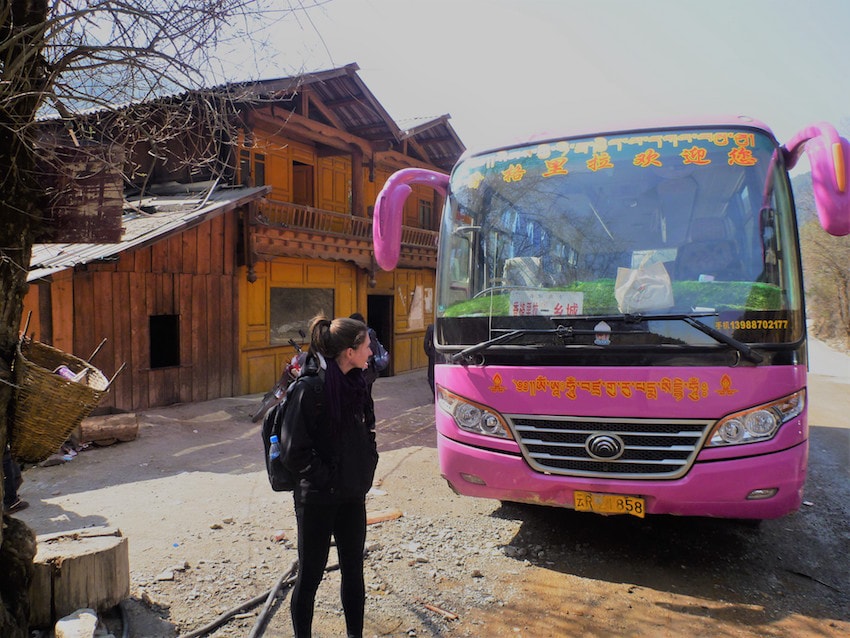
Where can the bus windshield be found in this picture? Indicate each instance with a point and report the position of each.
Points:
(623, 233)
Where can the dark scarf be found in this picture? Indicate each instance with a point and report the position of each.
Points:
(344, 393)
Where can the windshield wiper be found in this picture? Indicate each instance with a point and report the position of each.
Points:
(714, 333)
(467, 353)
(565, 332)
(691, 320)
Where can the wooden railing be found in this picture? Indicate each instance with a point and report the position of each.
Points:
(284, 214)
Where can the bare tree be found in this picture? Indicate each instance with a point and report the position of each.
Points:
(826, 266)
(60, 59)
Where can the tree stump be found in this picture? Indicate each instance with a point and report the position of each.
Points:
(81, 568)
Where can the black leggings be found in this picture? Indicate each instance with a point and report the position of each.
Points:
(11, 479)
(316, 523)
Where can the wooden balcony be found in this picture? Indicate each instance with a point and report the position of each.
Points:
(281, 229)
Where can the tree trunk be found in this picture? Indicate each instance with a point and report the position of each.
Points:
(17, 542)
(23, 76)
(16, 566)
(16, 232)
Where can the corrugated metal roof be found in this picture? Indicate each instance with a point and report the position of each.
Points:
(173, 213)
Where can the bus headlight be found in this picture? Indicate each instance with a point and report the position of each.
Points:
(471, 416)
(759, 423)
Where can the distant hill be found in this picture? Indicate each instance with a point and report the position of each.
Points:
(802, 187)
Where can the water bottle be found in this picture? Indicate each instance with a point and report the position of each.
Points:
(274, 447)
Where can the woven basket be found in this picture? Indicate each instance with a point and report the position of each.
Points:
(47, 406)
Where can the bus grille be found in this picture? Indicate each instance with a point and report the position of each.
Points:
(610, 448)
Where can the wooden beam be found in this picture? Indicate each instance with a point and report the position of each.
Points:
(303, 107)
(268, 243)
(315, 131)
(317, 103)
(426, 126)
(374, 131)
(419, 149)
(329, 151)
(400, 160)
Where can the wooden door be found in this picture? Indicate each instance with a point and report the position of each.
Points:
(302, 184)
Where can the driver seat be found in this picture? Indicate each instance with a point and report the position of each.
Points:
(709, 252)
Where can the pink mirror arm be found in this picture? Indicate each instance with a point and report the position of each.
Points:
(829, 156)
(389, 210)
(830, 137)
(826, 135)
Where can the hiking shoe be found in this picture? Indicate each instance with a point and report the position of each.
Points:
(17, 506)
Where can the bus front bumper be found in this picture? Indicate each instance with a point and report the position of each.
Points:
(723, 489)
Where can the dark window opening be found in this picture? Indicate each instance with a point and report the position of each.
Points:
(292, 309)
(165, 341)
(426, 215)
(302, 184)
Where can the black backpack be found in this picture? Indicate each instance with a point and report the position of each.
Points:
(280, 478)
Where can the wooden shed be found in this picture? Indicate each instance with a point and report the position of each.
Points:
(164, 298)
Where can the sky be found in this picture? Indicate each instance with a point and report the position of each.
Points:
(506, 69)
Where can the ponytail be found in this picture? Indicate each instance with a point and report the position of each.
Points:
(332, 337)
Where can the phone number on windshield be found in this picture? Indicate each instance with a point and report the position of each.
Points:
(754, 324)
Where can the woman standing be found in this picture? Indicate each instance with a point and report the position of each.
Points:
(332, 453)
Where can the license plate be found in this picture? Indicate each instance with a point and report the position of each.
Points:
(609, 503)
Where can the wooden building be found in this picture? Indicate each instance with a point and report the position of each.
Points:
(216, 271)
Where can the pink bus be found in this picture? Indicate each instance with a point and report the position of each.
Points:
(620, 318)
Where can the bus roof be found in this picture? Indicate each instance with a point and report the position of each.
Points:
(605, 129)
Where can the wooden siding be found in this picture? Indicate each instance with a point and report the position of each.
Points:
(190, 275)
(335, 184)
(331, 229)
(279, 155)
(261, 362)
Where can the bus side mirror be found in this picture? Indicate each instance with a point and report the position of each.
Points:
(386, 227)
(829, 156)
(389, 211)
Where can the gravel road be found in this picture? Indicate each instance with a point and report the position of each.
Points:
(206, 534)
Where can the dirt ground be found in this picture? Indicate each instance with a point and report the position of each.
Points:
(206, 533)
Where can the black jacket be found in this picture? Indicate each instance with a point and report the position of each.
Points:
(332, 462)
